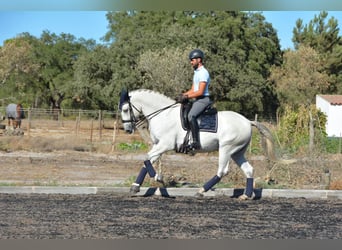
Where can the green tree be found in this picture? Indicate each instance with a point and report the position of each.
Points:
(39, 70)
(300, 77)
(171, 80)
(93, 85)
(334, 69)
(56, 55)
(317, 33)
(323, 36)
(18, 71)
(240, 47)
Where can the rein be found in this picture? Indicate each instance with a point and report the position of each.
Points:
(139, 122)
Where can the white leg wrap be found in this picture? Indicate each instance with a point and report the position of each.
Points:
(247, 169)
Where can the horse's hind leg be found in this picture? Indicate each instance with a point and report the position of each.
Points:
(11, 122)
(223, 169)
(248, 170)
(18, 123)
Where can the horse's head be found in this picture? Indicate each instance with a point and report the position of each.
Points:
(128, 116)
(141, 105)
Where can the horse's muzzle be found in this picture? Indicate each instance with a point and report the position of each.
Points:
(128, 128)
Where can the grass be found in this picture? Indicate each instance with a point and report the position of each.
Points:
(8, 184)
(132, 146)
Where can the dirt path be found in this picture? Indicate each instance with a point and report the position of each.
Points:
(84, 168)
(109, 216)
(70, 167)
(64, 168)
(106, 216)
(57, 156)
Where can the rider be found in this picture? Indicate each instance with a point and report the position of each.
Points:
(199, 92)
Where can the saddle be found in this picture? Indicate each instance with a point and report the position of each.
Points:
(207, 122)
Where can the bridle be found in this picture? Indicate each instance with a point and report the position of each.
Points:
(137, 122)
(133, 120)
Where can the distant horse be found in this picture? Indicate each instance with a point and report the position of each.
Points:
(14, 114)
(231, 138)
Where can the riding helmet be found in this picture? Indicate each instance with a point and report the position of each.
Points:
(196, 53)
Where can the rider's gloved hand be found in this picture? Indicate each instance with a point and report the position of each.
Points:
(182, 98)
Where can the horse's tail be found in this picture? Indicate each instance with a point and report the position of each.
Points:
(269, 142)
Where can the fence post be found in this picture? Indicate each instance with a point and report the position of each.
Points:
(114, 135)
(60, 118)
(76, 125)
(78, 121)
(100, 124)
(91, 131)
(29, 122)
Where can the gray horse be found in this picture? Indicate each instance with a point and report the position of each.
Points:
(14, 114)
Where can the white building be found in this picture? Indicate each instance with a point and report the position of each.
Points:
(331, 106)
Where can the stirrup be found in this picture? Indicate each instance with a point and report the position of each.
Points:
(183, 149)
(194, 146)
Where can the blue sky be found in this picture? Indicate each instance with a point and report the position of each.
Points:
(285, 21)
(93, 24)
(86, 24)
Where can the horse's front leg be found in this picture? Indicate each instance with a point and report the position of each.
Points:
(148, 168)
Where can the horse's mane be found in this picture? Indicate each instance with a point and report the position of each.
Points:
(152, 92)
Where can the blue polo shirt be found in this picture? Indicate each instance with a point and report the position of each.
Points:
(201, 74)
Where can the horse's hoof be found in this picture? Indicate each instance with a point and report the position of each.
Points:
(134, 189)
(159, 178)
(199, 195)
(244, 197)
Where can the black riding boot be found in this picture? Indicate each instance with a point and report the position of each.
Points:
(195, 134)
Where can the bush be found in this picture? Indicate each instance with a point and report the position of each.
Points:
(332, 145)
(293, 129)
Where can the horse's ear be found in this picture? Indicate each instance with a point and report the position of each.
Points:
(124, 97)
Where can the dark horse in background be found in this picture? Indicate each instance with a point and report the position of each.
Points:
(14, 114)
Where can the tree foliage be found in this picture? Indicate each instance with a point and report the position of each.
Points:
(323, 36)
(249, 72)
(293, 130)
(239, 50)
(300, 77)
(57, 55)
(158, 73)
(17, 69)
(93, 85)
(40, 68)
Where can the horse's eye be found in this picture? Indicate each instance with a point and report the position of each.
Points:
(125, 108)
